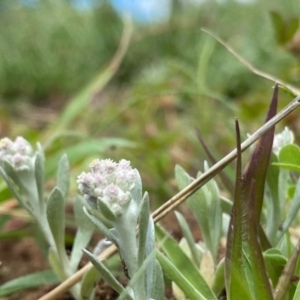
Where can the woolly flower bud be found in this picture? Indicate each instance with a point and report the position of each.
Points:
(282, 139)
(18, 153)
(109, 182)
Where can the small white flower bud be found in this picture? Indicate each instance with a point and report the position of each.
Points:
(109, 182)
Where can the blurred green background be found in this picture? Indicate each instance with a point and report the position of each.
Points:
(87, 82)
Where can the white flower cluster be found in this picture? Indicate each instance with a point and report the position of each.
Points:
(18, 153)
(109, 182)
(282, 139)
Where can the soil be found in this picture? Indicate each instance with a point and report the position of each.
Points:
(23, 256)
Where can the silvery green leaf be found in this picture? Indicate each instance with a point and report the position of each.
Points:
(88, 283)
(106, 211)
(136, 192)
(55, 264)
(189, 237)
(158, 287)
(28, 282)
(40, 177)
(40, 150)
(105, 273)
(13, 189)
(84, 232)
(151, 268)
(63, 175)
(109, 234)
(136, 282)
(143, 228)
(12, 174)
(206, 207)
(56, 217)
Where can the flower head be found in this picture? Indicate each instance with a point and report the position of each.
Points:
(109, 182)
(18, 153)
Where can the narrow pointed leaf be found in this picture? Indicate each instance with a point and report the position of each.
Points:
(259, 277)
(105, 273)
(206, 207)
(88, 282)
(84, 232)
(27, 282)
(235, 277)
(56, 217)
(109, 234)
(173, 273)
(40, 178)
(158, 287)
(259, 161)
(143, 228)
(63, 175)
(189, 237)
(179, 259)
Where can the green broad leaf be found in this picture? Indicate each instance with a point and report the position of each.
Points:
(84, 232)
(275, 262)
(105, 273)
(285, 279)
(289, 158)
(88, 283)
(189, 237)
(56, 264)
(206, 207)
(63, 176)
(175, 274)
(27, 282)
(56, 218)
(109, 234)
(181, 262)
(87, 148)
(40, 178)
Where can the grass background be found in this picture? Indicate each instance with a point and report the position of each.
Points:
(172, 78)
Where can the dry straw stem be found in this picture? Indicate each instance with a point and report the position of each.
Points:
(256, 71)
(182, 195)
